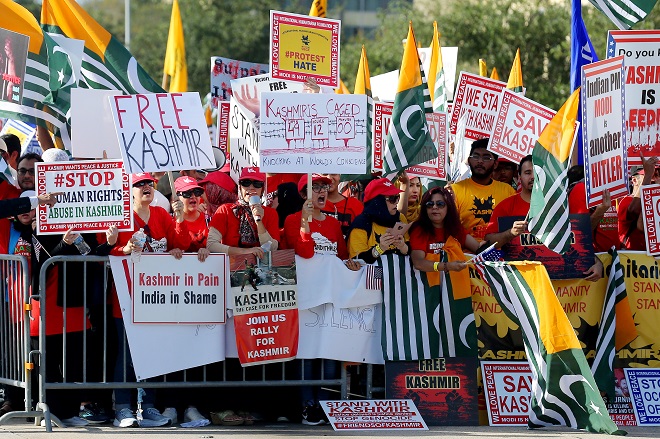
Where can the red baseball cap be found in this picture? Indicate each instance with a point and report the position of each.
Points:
(380, 186)
(185, 183)
(302, 183)
(252, 173)
(221, 179)
(141, 176)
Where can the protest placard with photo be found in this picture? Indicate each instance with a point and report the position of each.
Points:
(651, 211)
(303, 47)
(519, 123)
(13, 58)
(639, 49)
(603, 130)
(224, 70)
(508, 392)
(94, 196)
(93, 132)
(313, 132)
(188, 292)
(435, 169)
(381, 414)
(265, 307)
(162, 132)
(479, 97)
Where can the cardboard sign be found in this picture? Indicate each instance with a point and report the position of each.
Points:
(382, 115)
(644, 387)
(93, 132)
(323, 133)
(520, 121)
(435, 169)
(224, 70)
(162, 132)
(12, 65)
(304, 47)
(508, 391)
(651, 210)
(265, 307)
(384, 414)
(603, 130)
(187, 292)
(479, 97)
(444, 389)
(570, 265)
(642, 89)
(25, 133)
(95, 195)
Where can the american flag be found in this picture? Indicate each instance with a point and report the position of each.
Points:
(36, 245)
(491, 254)
(374, 277)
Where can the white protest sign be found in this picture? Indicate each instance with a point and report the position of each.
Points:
(382, 115)
(383, 414)
(92, 127)
(640, 49)
(449, 59)
(644, 387)
(94, 196)
(651, 211)
(383, 87)
(508, 392)
(603, 130)
(244, 112)
(479, 97)
(162, 132)
(187, 345)
(520, 121)
(224, 70)
(185, 292)
(312, 132)
(437, 168)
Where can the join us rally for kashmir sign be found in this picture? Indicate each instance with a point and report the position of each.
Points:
(162, 132)
(94, 195)
(313, 132)
(603, 130)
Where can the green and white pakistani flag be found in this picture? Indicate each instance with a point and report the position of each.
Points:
(548, 209)
(437, 85)
(408, 140)
(106, 63)
(563, 389)
(625, 13)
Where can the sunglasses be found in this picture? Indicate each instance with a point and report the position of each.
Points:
(254, 183)
(393, 199)
(144, 183)
(196, 192)
(439, 204)
(316, 188)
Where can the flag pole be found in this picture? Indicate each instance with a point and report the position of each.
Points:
(127, 24)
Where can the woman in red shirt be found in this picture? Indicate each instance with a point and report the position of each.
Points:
(190, 194)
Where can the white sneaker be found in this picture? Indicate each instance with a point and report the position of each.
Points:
(192, 414)
(124, 418)
(43, 423)
(170, 412)
(151, 417)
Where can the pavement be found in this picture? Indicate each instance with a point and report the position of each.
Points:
(19, 428)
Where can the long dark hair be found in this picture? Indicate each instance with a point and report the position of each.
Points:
(451, 223)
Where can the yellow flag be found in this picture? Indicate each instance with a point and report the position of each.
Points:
(363, 79)
(435, 65)
(318, 8)
(175, 55)
(483, 69)
(515, 82)
(410, 74)
(494, 75)
(342, 89)
(16, 18)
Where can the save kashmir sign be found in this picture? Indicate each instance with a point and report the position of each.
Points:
(162, 132)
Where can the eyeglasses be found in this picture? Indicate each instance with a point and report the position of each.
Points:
(483, 158)
(23, 171)
(439, 204)
(393, 199)
(316, 188)
(254, 183)
(144, 183)
(196, 192)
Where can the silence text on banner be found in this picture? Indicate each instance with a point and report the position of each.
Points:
(162, 132)
(94, 196)
(313, 133)
(603, 130)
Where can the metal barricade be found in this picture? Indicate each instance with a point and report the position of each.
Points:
(215, 375)
(15, 355)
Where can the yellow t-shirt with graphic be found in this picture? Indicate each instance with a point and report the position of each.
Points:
(358, 241)
(475, 203)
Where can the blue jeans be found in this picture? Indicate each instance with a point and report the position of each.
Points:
(312, 370)
(146, 397)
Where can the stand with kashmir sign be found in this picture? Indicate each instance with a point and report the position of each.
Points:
(479, 97)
